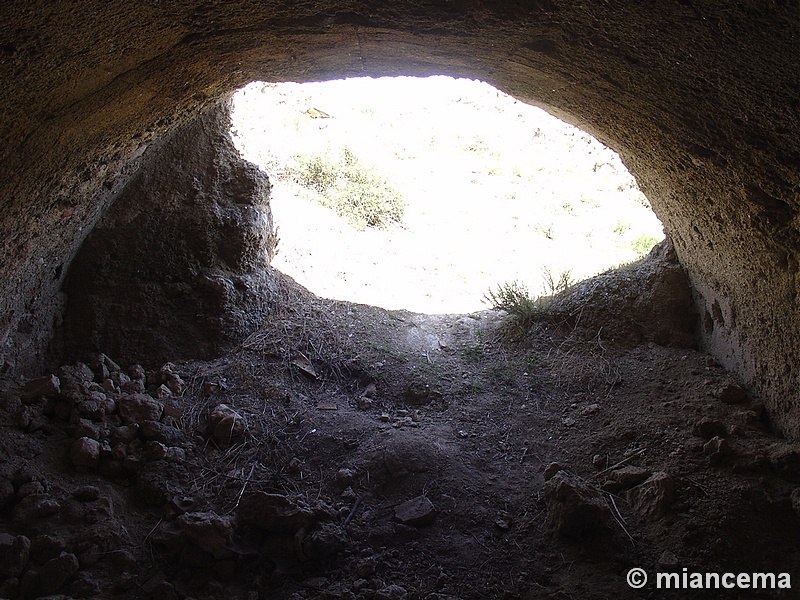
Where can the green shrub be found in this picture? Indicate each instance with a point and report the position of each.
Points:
(522, 308)
(514, 299)
(358, 193)
(644, 243)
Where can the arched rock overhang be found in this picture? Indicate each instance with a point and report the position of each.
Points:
(699, 98)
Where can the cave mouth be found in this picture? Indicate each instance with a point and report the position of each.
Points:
(424, 193)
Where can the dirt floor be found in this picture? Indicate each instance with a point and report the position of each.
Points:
(346, 451)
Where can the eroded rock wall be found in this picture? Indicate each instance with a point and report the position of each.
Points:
(178, 266)
(700, 98)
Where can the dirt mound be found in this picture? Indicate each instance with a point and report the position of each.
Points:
(649, 300)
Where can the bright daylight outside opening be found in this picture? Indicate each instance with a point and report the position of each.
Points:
(423, 194)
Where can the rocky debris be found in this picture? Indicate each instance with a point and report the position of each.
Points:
(717, 448)
(167, 376)
(85, 453)
(14, 554)
(56, 572)
(6, 493)
(35, 389)
(732, 393)
(159, 432)
(418, 511)
(625, 478)
(33, 508)
(668, 559)
(503, 520)
(707, 428)
(575, 508)
(274, 513)
(391, 592)
(653, 497)
(591, 409)
(324, 544)
(137, 408)
(418, 394)
(345, 477)
(225, 424)
(208, 531)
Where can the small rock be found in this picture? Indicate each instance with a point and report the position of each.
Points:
(134, 386)
(732, 393)
(120, 379)
(384, 418)
(324, 544)
(29, 488)
(175, 455)
(154, 451)
(35, 506)
(568, 421)
(137, 408)
(653, 497)
(91, 409)
(14, 554)
(84, 587)
(109, 386)
(625, 478)
(208, 531)
(707, 428)
(46, 547)
(85, 453)
(41, 387)
(795, 499)
(503, 520)
(599, 461)
(56, 572)
(392, 592)
(590, 410)
(85, 428)
(9, 588)
(172, 380)
(274, 513)
(124, 434)
(418, 394)
(110, 364)
(364, 403)
(717, 448)
(163, 392)
(6, 493)
(159, 432)
(225, 423)
(345, 477)
(417, 511)
(575, 508)
(551, 470)
(668, 559)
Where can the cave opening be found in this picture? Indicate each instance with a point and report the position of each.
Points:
(424, 193)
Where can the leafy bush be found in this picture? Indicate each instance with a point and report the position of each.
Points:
(644, 243)
(514, 299)
(355, 191)
(522, 308)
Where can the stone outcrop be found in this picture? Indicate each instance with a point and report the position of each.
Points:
(178, 266)
(701, 100)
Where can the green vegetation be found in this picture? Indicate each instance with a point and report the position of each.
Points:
(358, 193)
(642, 244)
(522, 308)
